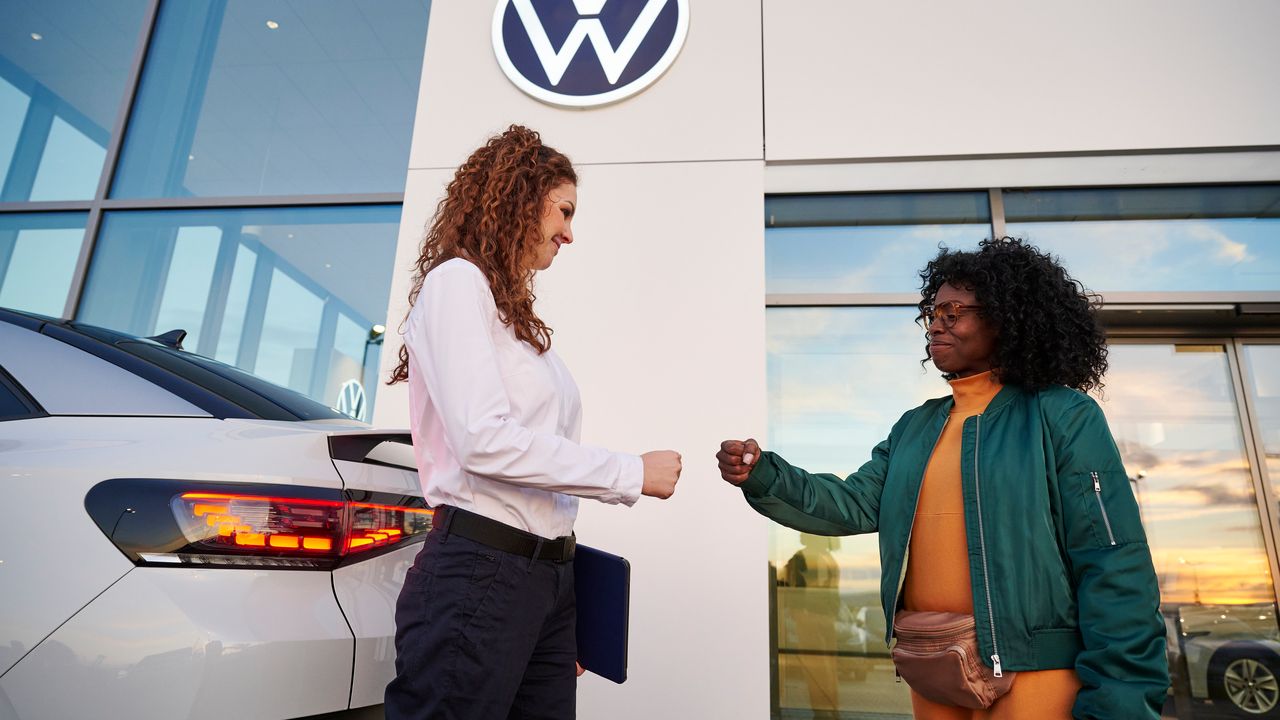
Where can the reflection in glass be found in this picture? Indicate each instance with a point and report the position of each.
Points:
(838, 379)
(38, 254)
(865, 243)
(269, 97)
(288, 294)
(858, 259)
(1157, 239)
(1262, 378)
(1173, 412)
(63, 70)
(290, 333)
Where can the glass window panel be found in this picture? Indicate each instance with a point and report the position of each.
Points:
(1157, 239)
(865, 243)
(64, 65)
(13, 108)
(1262, 378)
(269, 97)
(346, 381)
(237, 305)
(290, 333)
(838, 380)
(186, 285)
(71, 165)
(839, 377)
(262, 289)
(11, 406)
(38, 254)
(1173, 411)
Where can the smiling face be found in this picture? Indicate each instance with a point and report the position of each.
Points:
(967, 347)
(556, 226)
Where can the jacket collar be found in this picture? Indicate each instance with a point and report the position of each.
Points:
(1004, 397)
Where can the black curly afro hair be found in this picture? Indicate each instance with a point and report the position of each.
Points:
(1045, 322)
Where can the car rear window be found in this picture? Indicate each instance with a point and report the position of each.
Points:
(264, 399)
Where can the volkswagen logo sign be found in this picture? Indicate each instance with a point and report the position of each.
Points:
(351, 400)
(580, 53)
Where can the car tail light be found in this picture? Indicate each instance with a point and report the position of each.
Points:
(171, 522)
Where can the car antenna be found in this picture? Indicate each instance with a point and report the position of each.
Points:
(173, 338)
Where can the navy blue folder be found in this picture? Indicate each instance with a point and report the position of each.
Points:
(602, 583)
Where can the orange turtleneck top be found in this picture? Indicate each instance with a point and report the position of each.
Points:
(938, 568)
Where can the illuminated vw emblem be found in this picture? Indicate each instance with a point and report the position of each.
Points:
(351, 400)
(581, 53)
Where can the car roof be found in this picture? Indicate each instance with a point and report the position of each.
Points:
(97, 371)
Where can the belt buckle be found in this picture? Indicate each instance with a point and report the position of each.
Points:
(570, 542)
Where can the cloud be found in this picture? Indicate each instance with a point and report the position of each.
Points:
(1224, 248)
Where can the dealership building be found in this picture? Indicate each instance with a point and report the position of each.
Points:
(760, 185)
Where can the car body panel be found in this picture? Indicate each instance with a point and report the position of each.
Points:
(401, 480)
(52, 462)
(192, 643)
(178, 640)
(367, 592)
(39, 595)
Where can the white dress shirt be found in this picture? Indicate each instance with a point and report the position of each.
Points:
(496, 425)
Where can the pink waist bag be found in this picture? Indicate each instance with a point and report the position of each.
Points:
(937, 655)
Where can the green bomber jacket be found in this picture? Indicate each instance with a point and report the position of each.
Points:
(1061, 571)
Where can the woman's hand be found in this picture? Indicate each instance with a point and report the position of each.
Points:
(736, 458)
(661, 471)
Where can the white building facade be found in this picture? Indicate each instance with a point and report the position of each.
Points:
(761, 183)
(749, 233)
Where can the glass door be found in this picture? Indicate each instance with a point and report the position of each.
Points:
(1181, 421)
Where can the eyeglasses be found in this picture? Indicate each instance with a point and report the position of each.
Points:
(948, 312)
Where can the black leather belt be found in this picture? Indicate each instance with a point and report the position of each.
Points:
(501, 536)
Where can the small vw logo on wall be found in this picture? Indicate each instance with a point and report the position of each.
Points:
(351, 400)
(580, 53)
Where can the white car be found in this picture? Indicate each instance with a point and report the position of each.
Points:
(180, 539)
(1232, 655)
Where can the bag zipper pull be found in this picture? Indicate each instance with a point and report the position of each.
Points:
(995, 661)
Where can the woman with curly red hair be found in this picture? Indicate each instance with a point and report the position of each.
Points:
(485, 620)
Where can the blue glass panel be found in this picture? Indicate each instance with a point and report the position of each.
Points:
(858, 259)
(838, 380)
(289, 294)
(63, 70)
(1224, 238)
(38, 254)
(865, 243)
(269, 97)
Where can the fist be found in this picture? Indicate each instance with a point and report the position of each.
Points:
(736, 458)
(661, 471)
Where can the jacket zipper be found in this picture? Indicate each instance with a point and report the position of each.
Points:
(982, 542)
(906, 553)
(1097, 492)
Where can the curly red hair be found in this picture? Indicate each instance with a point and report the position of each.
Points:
(491, 215)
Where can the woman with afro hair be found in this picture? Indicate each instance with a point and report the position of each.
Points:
(1017, 581)
(485, 621)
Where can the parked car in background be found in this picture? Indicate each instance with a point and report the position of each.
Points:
(1232, 655)
(181, 539)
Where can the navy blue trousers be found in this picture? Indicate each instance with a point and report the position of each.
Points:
(483, 634)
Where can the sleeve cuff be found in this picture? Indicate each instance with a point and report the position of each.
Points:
(763, 474)
(630, 480)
